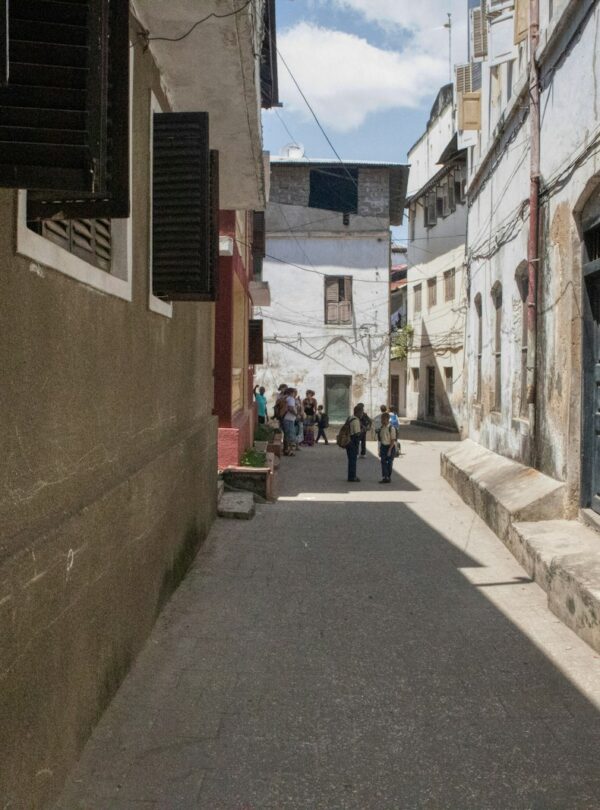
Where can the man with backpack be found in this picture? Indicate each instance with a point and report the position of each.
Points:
(349, 439)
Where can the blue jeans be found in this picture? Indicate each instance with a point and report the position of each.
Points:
(387, 462)
(352, 453)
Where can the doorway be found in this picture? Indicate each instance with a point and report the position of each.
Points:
(337, 398)
(591, 366)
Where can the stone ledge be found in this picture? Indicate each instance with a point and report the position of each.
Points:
(501, 491)
(563, 557)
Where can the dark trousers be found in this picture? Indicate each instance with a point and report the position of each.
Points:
(262, 420)
(363, 443)
(387, 462)
(352, 453)
(321, 434)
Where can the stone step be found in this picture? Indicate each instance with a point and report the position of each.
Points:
(237, 505)
(563, 557)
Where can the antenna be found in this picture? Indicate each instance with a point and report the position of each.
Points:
(448, 25)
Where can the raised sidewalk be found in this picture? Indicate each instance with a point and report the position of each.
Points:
(526, 509)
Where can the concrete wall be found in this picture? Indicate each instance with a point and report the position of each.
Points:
(107, 487)
(499, 207)
(300, 349)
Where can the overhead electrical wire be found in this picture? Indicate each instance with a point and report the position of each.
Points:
(213, 14)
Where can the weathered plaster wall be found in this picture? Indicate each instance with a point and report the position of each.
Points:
(300, 349)
(424, 155)
(558, 450)
(107, 484)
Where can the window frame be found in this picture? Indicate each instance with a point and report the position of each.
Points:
(418, 288)
(432, 292)
(345, 284)
(449, 276)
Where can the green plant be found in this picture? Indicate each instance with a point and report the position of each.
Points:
(264, 433)
(401, 342)
(253, 458)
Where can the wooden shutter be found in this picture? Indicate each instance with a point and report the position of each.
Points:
(431, 208)
(108, 197)
(480, 32)
(258, 235)
(451, 192)
(464, 78)
(469, 111)
(54, 106)
(4, 67)
(214, 224)
(345, 306)
(332, 298)
(255, 343)
(183, 227)
(521, 20)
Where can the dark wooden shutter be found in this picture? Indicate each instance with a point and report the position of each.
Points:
(259, 246)
(3, 43)
(214, 223)
(109, 195)
(255, 343)
(182, 248)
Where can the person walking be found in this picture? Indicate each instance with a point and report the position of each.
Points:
(322, 424)
(387, 448)
(353, 445)
(261, 404)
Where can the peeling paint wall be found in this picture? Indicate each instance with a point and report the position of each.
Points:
(498, 225)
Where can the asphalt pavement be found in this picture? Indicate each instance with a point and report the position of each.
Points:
(354, 647)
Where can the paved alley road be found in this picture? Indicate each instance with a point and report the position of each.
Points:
(354, 647)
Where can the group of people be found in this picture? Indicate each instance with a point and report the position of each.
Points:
(386, 426)
(299, 418)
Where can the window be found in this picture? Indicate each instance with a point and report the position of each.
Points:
(417, 300)
(431, 292)
(411, 221)
(89, 239)
(431, 209)
(479, 327)
(449, 285)
(338, 300)
(415, 380)
(430, 390)
(334, 189)
(497, 300)
(523, 288)
(448, 379)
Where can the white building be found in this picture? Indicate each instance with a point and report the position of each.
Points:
(436, 278)
(328, 265)
(532, 387)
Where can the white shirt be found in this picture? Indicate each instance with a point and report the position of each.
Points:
(291, 403)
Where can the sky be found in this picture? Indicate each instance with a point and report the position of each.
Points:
(371, 69)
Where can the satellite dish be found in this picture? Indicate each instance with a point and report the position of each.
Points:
(294, 151)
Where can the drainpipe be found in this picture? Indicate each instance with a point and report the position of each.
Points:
(533, 259)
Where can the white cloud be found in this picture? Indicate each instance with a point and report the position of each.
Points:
(346, 78)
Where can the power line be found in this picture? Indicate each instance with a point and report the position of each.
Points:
(314, 115)
(196, 24)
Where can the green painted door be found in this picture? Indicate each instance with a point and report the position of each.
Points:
(337, 398)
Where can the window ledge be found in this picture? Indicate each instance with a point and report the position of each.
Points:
(160, 307)
(45, 252)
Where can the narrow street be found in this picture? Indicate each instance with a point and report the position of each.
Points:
(352, 648)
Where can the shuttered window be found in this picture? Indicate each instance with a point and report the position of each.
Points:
(417, 293)
(480, 31)
(431, 292)
(64, 122)
(338, 300)
(185, 219)
(255, 342)
(90, 239)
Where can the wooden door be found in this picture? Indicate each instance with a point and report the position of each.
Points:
(591, 399)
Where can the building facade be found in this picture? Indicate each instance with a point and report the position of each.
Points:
(433, 339)
(328, 266)
(534, 225)
(108, 279)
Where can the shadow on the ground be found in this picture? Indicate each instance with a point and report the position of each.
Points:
(334, 655)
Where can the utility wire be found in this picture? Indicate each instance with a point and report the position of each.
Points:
(197, 23)
(314, 115)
